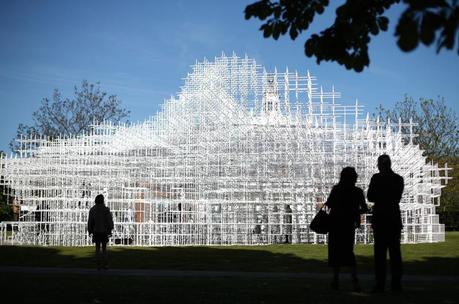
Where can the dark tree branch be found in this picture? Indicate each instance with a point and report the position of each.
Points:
(346, 40)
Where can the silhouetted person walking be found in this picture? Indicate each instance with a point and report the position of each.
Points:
(346, 203)
(100, 226)
(385, 191)
(288, 220)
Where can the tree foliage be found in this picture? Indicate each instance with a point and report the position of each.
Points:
(70, 116)
(346, 40)
(449, 207)
(6, 210)
(437, 128)
(438, 135)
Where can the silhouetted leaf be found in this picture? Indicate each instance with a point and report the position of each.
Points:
(430, 23)
(277, 12)
(374, 30)
(408, 33)
(383, 23)
(276, 32)
(293, 33)
(266, 30)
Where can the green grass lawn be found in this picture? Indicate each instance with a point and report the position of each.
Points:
(424, 259)
(429, 259)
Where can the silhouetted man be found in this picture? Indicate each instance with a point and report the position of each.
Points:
(100, 226)
(385, 191)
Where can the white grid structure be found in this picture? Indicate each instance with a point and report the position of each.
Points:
(239, 156)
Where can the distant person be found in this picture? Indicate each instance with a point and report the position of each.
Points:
(100, 226)
(346, 203)
(38, 219)
(45, 217)
(288, 224)
(385, 191)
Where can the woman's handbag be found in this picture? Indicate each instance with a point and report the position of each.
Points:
(321, 222)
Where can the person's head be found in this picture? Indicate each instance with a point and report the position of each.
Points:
(348, 176)
(100, 199)
(384, 163)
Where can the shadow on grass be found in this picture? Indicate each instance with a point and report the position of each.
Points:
(207, 258)
(42, 288)
(172, 258)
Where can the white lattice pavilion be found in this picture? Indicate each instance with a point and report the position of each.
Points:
(239, 156)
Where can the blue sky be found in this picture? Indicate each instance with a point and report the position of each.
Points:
(141, 50)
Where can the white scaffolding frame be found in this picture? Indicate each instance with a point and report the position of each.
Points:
(239, 156)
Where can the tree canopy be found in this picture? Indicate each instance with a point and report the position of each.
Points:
(438, 135)
(70, 116)
(346, 40)
(437, 126)
(6, 211)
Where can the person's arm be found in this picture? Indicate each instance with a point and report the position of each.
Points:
(371, 194)
(90, 222)
(363, 207)
(401, 188)
(331, 200)
(110, 221)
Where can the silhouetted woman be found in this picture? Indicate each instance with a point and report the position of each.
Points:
(100, 226)
(346, 203)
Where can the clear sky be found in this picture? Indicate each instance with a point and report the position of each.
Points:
(141, 50)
